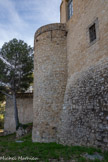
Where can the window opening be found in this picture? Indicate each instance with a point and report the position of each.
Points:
(70, 9)
(92, 33)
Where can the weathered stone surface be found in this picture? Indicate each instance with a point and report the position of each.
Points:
(21, 131)
(25, 112)
(83, 120)
(64, 52)
(49, 81)
(80, 53)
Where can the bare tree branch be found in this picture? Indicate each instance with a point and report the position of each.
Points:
(6, 94)
(6, 62)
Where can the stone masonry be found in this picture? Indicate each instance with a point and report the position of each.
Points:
(84, 119)
(50, 80)
(70, 104)
(25, 112)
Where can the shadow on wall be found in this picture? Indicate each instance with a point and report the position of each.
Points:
(25, 112)
(84, 119)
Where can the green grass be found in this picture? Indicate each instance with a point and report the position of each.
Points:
(45, 151)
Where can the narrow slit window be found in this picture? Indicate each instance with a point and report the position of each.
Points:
(92, 33)
(70, 9)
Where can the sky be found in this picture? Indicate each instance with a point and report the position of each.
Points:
(21, 18)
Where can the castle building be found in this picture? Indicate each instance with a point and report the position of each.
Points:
(70, 104)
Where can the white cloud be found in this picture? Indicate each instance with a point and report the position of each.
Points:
(12, 15)
(21, 18)
(7, 34)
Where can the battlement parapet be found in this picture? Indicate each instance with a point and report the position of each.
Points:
(50, 27)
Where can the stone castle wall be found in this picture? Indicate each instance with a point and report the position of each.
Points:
(50, 80)
(80, 53)
(71, 85)
(85, 110)
(84, 119)
(25, 112)
(63, 12)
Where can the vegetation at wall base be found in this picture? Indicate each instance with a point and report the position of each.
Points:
(47, 152)
(24, 126)
(2, 110)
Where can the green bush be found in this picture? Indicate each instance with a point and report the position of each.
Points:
(1, 122)
(2, 110)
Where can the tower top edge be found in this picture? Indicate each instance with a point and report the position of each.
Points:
(50, 27)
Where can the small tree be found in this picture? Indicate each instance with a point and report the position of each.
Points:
(16, 68)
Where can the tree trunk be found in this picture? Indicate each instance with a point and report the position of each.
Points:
(15, 111)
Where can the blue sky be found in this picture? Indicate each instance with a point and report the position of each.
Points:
(21, 18)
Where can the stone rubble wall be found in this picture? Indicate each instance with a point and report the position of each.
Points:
(84, 117)
(25, 112)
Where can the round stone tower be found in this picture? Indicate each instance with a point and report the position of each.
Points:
(50, 78)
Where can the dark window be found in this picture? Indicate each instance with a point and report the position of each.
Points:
(92, 33)
(70, 9)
